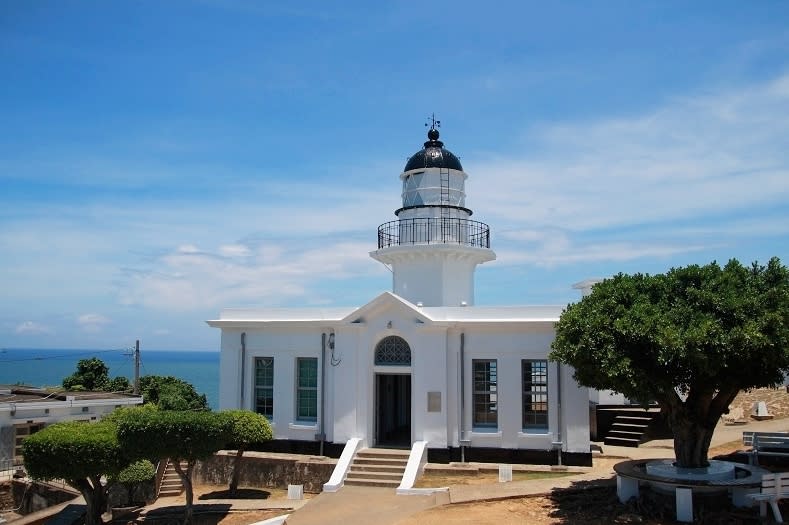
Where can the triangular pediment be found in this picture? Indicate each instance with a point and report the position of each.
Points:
(386, 303)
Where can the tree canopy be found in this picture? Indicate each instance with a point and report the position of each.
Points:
(94, 375)
(689, 339)
(246, 428)
(178, 435)
(171, 393)
(80, 453)
(166, 392)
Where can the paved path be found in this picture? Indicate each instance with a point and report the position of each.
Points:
(362, 506)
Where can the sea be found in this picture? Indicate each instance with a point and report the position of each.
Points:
(42, 368)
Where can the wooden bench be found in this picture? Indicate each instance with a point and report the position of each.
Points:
(775, 487)
(765, 444)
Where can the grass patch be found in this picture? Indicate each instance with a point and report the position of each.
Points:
(443, 479)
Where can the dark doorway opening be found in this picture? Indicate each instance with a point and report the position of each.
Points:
(393, 410)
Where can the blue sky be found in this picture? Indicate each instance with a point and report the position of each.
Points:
(160, 161)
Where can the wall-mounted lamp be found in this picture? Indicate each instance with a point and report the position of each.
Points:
(330, 344)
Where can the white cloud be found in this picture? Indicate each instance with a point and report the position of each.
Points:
(32, 328)
(234, 250)
(651, 185)
(696, 156)
(691, 175)
(199, 279)
(92, 323)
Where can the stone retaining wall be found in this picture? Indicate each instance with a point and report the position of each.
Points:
(266, 469)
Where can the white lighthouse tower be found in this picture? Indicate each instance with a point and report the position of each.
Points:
(434, 247)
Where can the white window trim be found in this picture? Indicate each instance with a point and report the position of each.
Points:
(306, 423)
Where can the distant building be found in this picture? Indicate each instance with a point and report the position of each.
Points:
(420, 363)
(25, 411)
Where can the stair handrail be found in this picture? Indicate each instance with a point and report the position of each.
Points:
(337, 478)
(417, 460)
(161, 467)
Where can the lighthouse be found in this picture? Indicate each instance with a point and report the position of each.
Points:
(434, 247)
(416, 367)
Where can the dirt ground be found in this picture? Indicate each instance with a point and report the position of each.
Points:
(171, 510)
(587, 504)
(584, 504)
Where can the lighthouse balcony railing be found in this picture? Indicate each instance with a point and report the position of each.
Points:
(434, 230)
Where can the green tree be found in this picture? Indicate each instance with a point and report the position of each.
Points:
(246, 428)
(94, 375)
(177, 435)
(133, 475)
(119, 384)
(171, 393)
(79, 453)
(691, 339)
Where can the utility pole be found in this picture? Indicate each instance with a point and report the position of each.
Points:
(137, 368)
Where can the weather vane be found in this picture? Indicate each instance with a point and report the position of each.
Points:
(432, 122)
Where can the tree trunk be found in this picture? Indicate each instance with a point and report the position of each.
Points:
(693, 422)
(236, 473)
(691, 444)
(94, 499)
(186, 479)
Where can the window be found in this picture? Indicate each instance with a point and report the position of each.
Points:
(534, 376)
(22, 432)
(307, 389)
(264, 386)
(392, 351)
(486, 397)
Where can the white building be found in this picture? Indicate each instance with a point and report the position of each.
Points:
(421, 363)
(26, 410)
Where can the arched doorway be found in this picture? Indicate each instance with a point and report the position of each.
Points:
(392, 392)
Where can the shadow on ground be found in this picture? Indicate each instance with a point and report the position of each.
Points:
(592, 503)
(240, 494)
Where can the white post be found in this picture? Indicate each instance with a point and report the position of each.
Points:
(684, 497)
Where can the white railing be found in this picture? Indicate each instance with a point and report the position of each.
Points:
(7, 468)
(337, 478)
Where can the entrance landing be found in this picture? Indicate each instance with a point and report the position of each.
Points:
(353, 504)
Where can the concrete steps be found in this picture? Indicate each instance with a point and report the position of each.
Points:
(628, 430)
(171, 482)
(377, 467)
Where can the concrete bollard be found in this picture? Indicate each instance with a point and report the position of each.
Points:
(295, 491)
(505, 473)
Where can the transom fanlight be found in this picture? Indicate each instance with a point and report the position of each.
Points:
(393, 351)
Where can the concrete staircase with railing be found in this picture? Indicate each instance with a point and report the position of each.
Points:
(378, 467)
(171, 484)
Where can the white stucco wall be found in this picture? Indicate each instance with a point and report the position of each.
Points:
(510, 345)
(285, 345)
(435, 349)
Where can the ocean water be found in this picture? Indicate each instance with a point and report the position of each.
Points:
(48, 367)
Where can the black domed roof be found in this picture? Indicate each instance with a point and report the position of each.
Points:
(433, 155)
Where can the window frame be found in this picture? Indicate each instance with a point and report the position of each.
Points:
(534, 386)
(261, 386)
(488, 394)
(311, 390)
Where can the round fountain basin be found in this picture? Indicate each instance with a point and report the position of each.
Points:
(717, 471)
